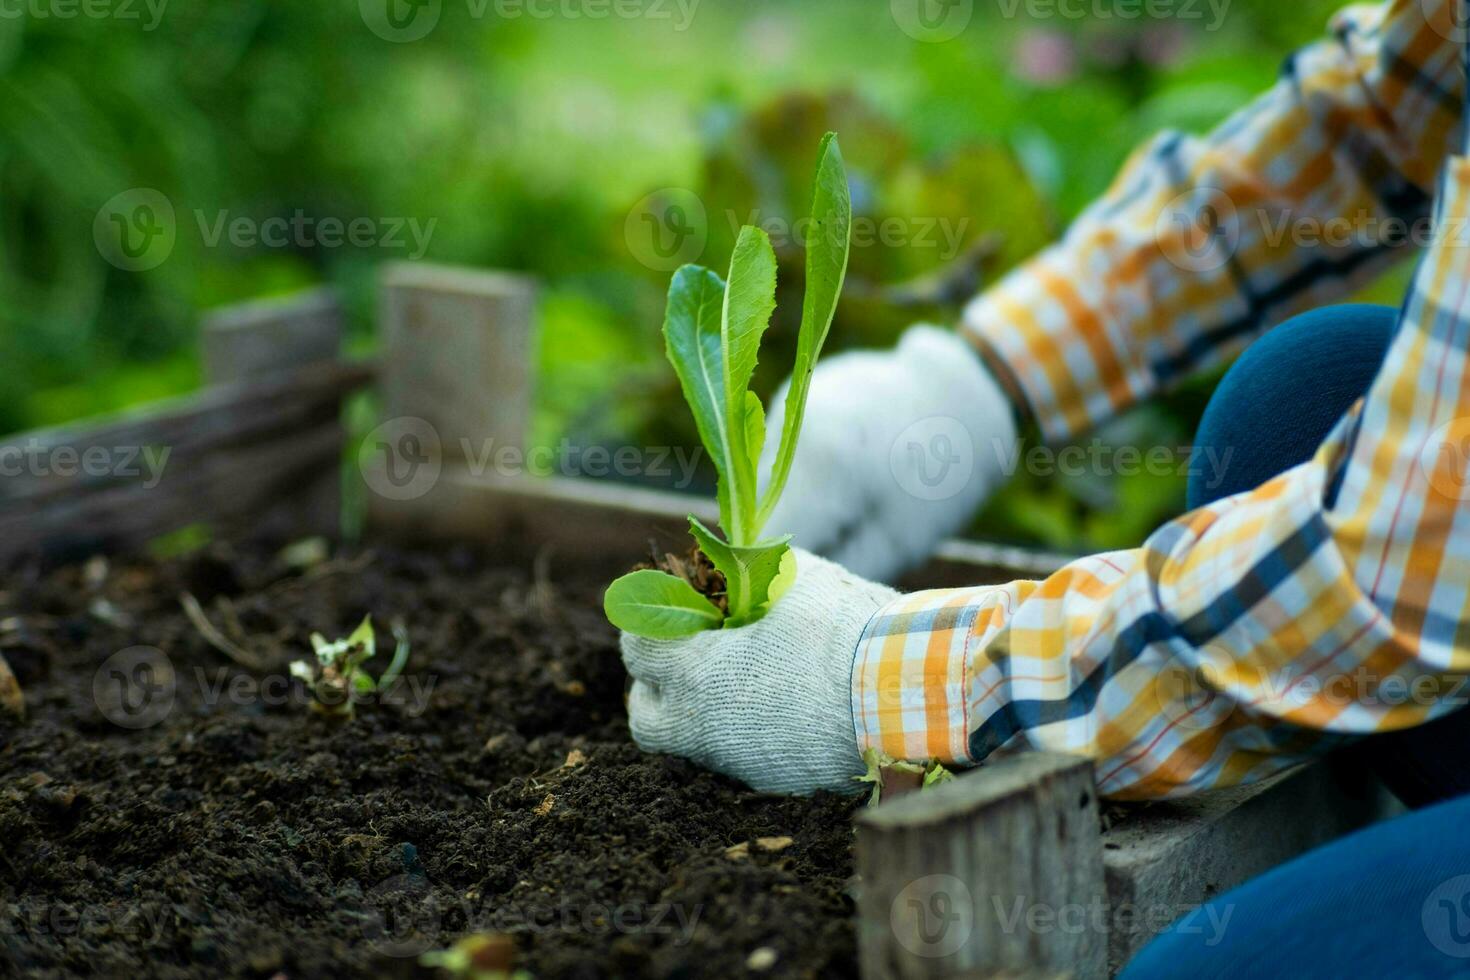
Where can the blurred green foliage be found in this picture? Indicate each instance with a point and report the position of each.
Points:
(532, 143)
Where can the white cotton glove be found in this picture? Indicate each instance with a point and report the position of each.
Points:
(771, 703)
(898, 450)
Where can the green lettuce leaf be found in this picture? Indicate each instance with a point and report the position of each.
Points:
(658, 606)
(694, 343)
(750, 299)
(828, 245)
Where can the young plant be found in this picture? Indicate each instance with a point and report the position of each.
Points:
(337, 678)
(712, 332)
(481, 956)
(892, 777)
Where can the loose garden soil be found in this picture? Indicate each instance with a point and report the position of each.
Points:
(168, 810)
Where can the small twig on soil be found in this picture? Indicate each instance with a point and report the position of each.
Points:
(106, 612)
(214, 637)
(330, 567)
(543, 593)
(16, 624)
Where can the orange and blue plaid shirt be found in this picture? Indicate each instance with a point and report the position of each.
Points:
(1334, 600)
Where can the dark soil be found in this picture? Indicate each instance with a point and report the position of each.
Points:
(695, 568)
(168, 812)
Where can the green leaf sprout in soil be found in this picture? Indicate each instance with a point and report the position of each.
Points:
(481, 956)
(894, 777)
(712, 332)
(336, 677)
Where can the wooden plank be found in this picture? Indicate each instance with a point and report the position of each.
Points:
(457, 349)
(992, 873)
(246, 483)
(229, 452)
(1168, 857)
(609, 526)
(224, 415)
(958, 563)
(254, 340)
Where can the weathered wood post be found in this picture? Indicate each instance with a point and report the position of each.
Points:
(265, 338)
(456, 386)
(458, 345)
(997, 873)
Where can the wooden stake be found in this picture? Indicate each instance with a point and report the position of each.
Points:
(998, 872)
(457, 354)
(255, 340)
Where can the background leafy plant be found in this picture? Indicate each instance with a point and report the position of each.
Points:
(530, 140)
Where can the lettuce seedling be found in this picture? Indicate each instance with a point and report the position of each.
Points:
(892, 777)
(337, 678)
(712, 333)
(481, 956)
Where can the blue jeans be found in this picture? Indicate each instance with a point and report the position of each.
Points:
(1391, 900)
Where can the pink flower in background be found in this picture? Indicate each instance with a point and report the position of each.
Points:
(1047, 58)
(771, 39)
(1164, 44)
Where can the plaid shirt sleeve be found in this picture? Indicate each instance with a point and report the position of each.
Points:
(1244, 637)
(1202, 243)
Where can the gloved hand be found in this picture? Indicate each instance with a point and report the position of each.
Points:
(898, 450)
(771, 703)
